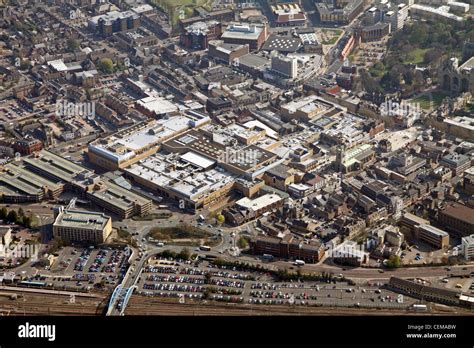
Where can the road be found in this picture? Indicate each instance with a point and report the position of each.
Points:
(227, 242)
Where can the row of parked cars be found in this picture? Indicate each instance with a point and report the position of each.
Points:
(82, 260)
(173, 287)
(175, 279)
(228, 283)
(161, 269)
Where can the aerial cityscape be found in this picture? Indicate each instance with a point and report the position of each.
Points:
(236, 158)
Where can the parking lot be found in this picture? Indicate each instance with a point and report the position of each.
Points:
(84, 269)
(465, 285)
(204, 280)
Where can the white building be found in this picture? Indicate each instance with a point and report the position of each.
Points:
(396, 16)
(401, 15)
(467, 247)
(285, 66)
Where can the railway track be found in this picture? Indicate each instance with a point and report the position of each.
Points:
(141, 305)
(35, 304)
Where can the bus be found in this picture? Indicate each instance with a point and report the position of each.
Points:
(267, 257)
(299, 263)
(205, 248)
(420, 307)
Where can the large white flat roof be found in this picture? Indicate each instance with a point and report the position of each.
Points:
(197, 160)
(187, 180)
(258, 203)
(158, 105)
(143, 137)
(58, 65)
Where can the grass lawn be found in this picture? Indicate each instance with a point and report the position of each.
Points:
(335, 31)
(425, 101)
(179, 232)
(172, 7)
(415, 56)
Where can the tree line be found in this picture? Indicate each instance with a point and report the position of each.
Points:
(17, 217)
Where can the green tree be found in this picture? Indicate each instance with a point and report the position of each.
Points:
(220, 218)
(72, 44)
(206, 293)
(21, 212)
(242, 243)
(3, 213)
(19, 220)
(184, 254)
(394, 261)
(55, 245)
(207, 277)
(106, 65)
(12, 216)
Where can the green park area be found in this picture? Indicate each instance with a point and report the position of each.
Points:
(416, 56)
(330, 36)
(180, 9)
(425, 99)
(183, 235)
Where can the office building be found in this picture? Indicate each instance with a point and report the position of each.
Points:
(457, 219)
(467, 247)
(122, 202)
(458, 163)
(287, 247)
(81, 226)
(253, 35)
(432, 235)
(226, 53)
(285, 66)
(198, 35)
(441, 12)
(113, 22)
(339, 11)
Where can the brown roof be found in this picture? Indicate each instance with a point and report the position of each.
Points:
(460, 212)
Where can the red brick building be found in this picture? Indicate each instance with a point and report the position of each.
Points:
(27, 146)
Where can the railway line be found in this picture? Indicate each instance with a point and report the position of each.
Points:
(143, 305)
(23, 303)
